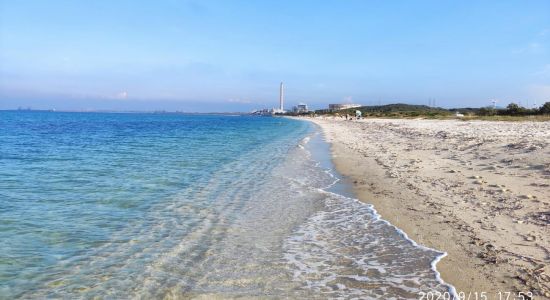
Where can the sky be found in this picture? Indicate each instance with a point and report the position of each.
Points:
(208, 55)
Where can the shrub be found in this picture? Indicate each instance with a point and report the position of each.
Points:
(516, 110)
(487, 111)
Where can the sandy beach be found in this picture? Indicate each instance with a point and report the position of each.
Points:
(478, 190)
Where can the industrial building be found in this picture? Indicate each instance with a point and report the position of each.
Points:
(300, 108)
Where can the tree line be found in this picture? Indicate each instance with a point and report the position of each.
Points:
(514, 109)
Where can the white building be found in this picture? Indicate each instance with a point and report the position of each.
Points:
(300, 108)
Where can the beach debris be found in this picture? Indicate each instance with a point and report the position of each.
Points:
(507, 161)
(526, 145)
(536, 279)
(490, 255)
(441, 135)
(530, 238)
(540, 218)
(477, 242)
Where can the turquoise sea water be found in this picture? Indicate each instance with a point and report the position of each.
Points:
(166, 206)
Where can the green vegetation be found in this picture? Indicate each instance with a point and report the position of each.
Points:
(514, 109)
(545, 109)
(394, 111)
(512, 112)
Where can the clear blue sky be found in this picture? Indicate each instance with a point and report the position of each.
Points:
(231, 55)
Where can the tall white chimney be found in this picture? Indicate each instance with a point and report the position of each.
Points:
(281, 97)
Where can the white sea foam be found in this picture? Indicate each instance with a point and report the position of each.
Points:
(348, 238)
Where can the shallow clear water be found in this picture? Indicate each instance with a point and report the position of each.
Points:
(152, 206)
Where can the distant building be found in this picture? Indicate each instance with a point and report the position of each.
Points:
(300, 108)
(334, 107)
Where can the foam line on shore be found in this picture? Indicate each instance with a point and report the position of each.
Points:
(332, 172)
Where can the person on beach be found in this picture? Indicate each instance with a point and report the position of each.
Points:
(358, 114)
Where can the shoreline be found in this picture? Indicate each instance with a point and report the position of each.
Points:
(345, 187)
(478, 259)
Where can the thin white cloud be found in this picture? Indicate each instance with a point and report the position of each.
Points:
(121, 95)
(238, 100)
(531, 48)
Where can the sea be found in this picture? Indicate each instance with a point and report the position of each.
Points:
(176, 206)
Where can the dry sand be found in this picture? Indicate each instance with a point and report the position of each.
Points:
(478, 190)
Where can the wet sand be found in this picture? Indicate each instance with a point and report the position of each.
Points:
(478, 190)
